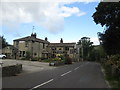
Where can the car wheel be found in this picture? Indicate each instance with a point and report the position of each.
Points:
(3, 57)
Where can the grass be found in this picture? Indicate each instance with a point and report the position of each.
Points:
(114, 82)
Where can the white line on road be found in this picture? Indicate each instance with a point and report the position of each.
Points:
(81, 66)
(42, 84)
(66, 73)
(76, 68)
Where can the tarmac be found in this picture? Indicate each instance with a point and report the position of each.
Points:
(28, 66)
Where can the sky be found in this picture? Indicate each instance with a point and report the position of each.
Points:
(54, 19)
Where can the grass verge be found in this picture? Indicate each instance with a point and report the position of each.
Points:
(113, 81)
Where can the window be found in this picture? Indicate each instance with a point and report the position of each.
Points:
(71, 51)
(35, 54)
(54, 51)
(53, 48)
(66, 48)
(20, 54)
(60, 49)
(23, 53)
(43, 45)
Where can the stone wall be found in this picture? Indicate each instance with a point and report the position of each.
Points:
(11, 70)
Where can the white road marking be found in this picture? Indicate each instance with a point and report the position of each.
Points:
(66, 73)
(42, 84)
(42, 68)
(81, 66)
(76, 68)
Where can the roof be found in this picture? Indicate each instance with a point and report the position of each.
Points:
(11, 46)
(30, 38)
(61, 44)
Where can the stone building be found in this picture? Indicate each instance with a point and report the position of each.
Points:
(69, 49)
(10, 51)
(43, 48)
(35, 46)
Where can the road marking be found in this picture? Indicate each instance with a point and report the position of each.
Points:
(76, 68)
(42, 68)
(66, 73)
(81, 65)
(42, 84)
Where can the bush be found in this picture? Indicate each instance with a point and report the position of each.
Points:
(114, 60)
(28, 55)
(35, 59)
(23, 58)
(42, 58)
(47, 60)
(68, 60)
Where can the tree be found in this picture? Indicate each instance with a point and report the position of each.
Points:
(3, 42)
(86, 45)
(97, 53)
(108, 14)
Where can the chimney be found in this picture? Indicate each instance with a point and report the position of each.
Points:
(61, 41)
(33, 35)
(46, 38)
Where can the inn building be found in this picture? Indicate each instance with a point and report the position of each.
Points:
(42, 48)
(37, 47)
(58, 49)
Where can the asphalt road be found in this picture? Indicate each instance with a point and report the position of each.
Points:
(77, 75)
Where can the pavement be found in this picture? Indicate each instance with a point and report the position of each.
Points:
(76, 75)
(28, 66)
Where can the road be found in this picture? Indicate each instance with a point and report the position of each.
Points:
(77, 75)
(28, 66)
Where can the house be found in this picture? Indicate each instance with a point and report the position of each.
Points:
(10, 51)
(35, 46)
(43, 48)
(58, 49)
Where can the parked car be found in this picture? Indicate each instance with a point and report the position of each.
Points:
(52, 63)
(2, 56)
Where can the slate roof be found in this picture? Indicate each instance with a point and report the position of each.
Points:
(30, 38)
(61, 44)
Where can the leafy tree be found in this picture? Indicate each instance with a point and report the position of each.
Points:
(97, 53)
(86, 45)
(3, 42)
(108, 14)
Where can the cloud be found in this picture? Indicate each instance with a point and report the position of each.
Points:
(59, 1)
(49, 14)
(94, 40)
(67, 11)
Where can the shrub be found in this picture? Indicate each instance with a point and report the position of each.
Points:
(28, 55)
(23, 58)
(115, 59)
(35, 59)
(47, 60)
(42, 58)
(68, 60)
